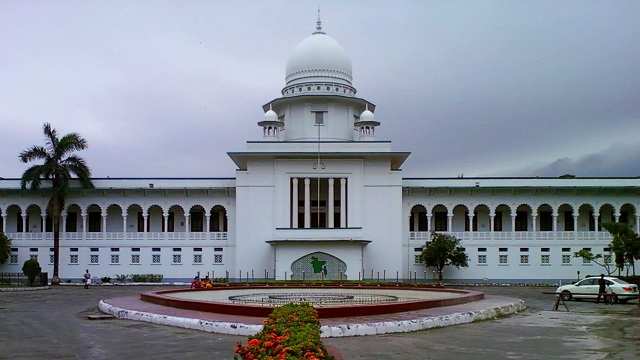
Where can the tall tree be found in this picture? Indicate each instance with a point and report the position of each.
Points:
(625, 243)
(54, 176)
(443, 250)
(5, 248)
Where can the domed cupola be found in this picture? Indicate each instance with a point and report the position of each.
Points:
(366, 125)
(271, 125)
(318, 65)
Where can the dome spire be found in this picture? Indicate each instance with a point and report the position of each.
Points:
(318, 24)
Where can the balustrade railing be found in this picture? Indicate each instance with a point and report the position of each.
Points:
(519, 235)
(119, 236)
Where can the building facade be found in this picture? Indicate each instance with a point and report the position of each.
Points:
(320, 197)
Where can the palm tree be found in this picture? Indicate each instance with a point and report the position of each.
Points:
(5, 248)
(55, 175)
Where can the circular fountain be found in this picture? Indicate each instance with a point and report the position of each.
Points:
(329, 301)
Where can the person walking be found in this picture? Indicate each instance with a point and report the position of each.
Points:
(602, 290)
(86, 279)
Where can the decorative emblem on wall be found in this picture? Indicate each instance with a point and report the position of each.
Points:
(318, 266)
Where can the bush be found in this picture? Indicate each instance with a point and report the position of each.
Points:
(105, 279)
(31, 269)
(121, 278)
(292, 331)
(155, 278)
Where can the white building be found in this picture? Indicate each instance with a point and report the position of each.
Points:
(320, 197)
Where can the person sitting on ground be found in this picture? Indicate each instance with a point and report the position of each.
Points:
(195, 283)
(206, 283)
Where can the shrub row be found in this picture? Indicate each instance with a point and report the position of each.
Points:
(292, 331)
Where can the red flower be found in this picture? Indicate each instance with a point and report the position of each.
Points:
(254, 342)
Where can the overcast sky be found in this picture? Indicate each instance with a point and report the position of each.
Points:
(480, 88)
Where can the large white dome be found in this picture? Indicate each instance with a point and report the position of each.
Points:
(318, 58)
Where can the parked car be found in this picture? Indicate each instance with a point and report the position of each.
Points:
(587, 288)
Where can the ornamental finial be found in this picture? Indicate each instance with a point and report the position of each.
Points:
(319, 24)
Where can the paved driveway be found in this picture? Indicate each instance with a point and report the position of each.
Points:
(52, 324)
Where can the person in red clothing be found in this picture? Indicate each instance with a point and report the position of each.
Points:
(195, 283)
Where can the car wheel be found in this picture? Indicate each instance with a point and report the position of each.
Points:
(566, 296)
(613, 298)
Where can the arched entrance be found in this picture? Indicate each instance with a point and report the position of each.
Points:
(318, 266)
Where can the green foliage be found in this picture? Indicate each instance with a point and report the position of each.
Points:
(5, 248)
(443, 250)
(588, 256)
(153, 278)
(122, 278)
(59, 163)
(625, 243)
(105, 279)
(31, 269)
(292, 331)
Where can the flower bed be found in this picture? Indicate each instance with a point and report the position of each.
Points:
(292, 331)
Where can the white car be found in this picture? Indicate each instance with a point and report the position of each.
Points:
(588, 289)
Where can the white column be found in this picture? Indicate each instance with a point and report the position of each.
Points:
(294, 203)
(84, 223)
(165, 228)
(307, 203)
(449, 223)
(4, 223)
(596, 223)
(491, 222)
(124, 223)
(104, 223)
(534, 220)
(63, 226)
(42, 222)
(24, 222)
(330, 205)
(429, 226)
(343, 202)
(470, 227)
(145, 228)
(208, 222)
(615, 217)
(575, 223)
(637, 224)
(513, 223)
(554, 223)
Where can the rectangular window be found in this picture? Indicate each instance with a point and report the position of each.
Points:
(440, 221)
(522, 221)
(197, 249)
(33, 249)
(503, 249)
(95, 249)
(217, 259)
(566, 259)
(71, 223)
(544, 259)
(566, 249)
(115, 259)
(417, 249)
(546, 221)
(482, 259)
(135, 249)
(51, 259)
(135, 259)
(524, 249)
(177, 249)
(607, 259)
(94, 259)
(94, 222)
(586, 261)
(503, 259)
(155, 259)
(73, 249)
(524, 259)
(177, 258)
(13, 259)
(416, 259)
(115, 249)
(155, 249)
(197, 221)
(217, 249)
(544, 250)
(73, 259)
(319, 117)
(482, 249)
(197, 259)
(33, 257)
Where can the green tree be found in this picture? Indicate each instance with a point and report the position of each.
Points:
(31, 269)
(5, 248)
(54, 177)
(625, 243)
(588, 256)
(443, 250)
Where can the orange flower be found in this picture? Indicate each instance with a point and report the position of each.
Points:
(254, 342)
